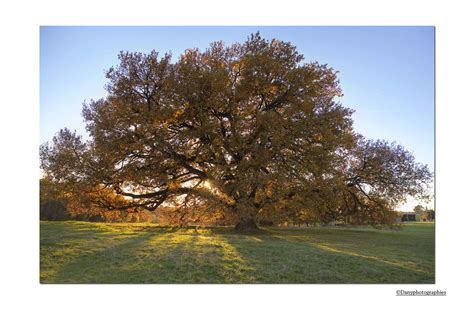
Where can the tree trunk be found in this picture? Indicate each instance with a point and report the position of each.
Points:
(246, 224)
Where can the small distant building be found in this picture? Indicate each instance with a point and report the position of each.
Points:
(408, 217)
(413, 216)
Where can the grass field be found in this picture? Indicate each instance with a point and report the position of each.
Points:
(82, 252)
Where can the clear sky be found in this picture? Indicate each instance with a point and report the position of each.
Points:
(386, 73)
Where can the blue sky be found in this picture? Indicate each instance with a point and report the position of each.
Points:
(386, 73)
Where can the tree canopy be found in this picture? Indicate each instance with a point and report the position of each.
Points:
(245, 129)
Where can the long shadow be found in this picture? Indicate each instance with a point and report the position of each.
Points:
(95, 262)
(76, 252)
(220, 255)
(287, 260)
(156, 256)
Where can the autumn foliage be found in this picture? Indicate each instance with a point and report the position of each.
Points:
(248, 132)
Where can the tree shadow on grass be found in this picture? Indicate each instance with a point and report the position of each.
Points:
(162, 256)
(220, 255)
(279, 259)
(90, 260)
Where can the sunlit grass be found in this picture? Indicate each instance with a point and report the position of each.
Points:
(81, 252)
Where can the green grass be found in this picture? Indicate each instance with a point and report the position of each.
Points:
(82, 252)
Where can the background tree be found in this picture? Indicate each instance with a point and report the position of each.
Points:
(52, 201)
(238, 129)
(430, 214)
(419, 209)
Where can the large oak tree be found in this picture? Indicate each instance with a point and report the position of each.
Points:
(242, 128)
